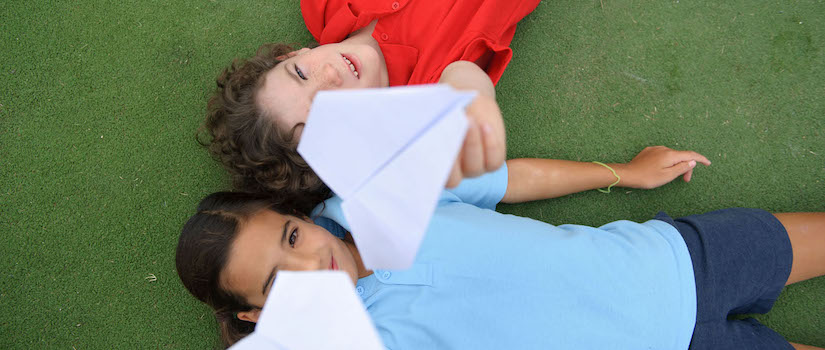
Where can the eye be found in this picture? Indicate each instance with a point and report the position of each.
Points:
(293, 236)
(300, 73)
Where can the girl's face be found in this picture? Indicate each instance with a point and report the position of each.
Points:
(289, 88)
(269, 242)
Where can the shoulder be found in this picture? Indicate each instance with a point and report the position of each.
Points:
(466, 75)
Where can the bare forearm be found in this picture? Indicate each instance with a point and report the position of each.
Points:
(532, 179)
(804, 347)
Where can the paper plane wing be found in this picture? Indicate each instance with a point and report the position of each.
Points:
(387, 153)
(313, 310)
(390, 214)
(351, 134)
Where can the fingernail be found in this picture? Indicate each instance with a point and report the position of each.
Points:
(692, 163)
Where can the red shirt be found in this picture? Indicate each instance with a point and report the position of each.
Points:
(419, 38)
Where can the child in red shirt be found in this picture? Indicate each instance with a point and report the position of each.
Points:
(255, 118)
(420, 38)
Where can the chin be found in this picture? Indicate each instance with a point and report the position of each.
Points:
(372, 61)
(353, 277)
(374, 81)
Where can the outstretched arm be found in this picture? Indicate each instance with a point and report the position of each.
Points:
(484, 148)
(532, 179)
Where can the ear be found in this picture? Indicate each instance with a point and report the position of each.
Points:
(249, 316)
(292, 54)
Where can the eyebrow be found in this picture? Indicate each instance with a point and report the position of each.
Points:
(274, 269)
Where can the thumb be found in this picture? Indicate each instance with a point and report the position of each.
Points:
(688, 175)
(455, 176)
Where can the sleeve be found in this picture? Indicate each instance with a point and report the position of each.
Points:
(484, 191)
(329, 215)
(330, 21)
(331, 226)
(312, 11)
(502, 55)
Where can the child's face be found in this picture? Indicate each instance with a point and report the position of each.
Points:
(269, 242)
(289, 88)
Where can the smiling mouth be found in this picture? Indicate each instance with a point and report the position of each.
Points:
(351, 66)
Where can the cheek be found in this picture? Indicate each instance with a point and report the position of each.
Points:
(258, 300)
(348, 265)
(237, 283)
(287, 107)
(375, 82)
(376, 69)
(292, 113)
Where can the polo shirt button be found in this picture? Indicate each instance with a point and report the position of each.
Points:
(359, 290)
(395, 5)
(385, 36)
(386, 275)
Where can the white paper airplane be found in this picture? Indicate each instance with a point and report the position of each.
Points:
(387, 153)
(257, 341)
(312, 310)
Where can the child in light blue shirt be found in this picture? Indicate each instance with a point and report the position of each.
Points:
(485, 280)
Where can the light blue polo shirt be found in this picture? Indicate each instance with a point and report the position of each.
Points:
(485, 280)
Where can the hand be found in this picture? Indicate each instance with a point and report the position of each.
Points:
(484, 148)
(658, 165)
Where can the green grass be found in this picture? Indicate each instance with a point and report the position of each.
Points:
(99, 102)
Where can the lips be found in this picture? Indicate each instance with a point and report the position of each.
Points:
(333, 265)
(353, 64)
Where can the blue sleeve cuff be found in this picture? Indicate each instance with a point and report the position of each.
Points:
(484, 191)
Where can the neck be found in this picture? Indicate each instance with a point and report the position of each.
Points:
(359, 264)
(364, 36)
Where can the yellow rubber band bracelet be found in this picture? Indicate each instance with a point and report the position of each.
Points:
(614, 174)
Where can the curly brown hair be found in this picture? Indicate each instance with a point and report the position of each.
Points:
(259, 156)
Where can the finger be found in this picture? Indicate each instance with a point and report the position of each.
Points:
(688, 175)
(472, 154)
(685, 156)
(494, 147)
(455, 176)
(682, 168)
(698, 157)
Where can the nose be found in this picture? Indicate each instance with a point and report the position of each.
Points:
(330, 77)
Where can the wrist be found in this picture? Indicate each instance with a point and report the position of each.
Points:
(616, 178)
(625, 174)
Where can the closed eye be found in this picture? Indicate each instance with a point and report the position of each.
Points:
(300, 73)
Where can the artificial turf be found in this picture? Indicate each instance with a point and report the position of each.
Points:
(99, 168)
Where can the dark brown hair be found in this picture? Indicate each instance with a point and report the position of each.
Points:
(259, 156)
(203, 251)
